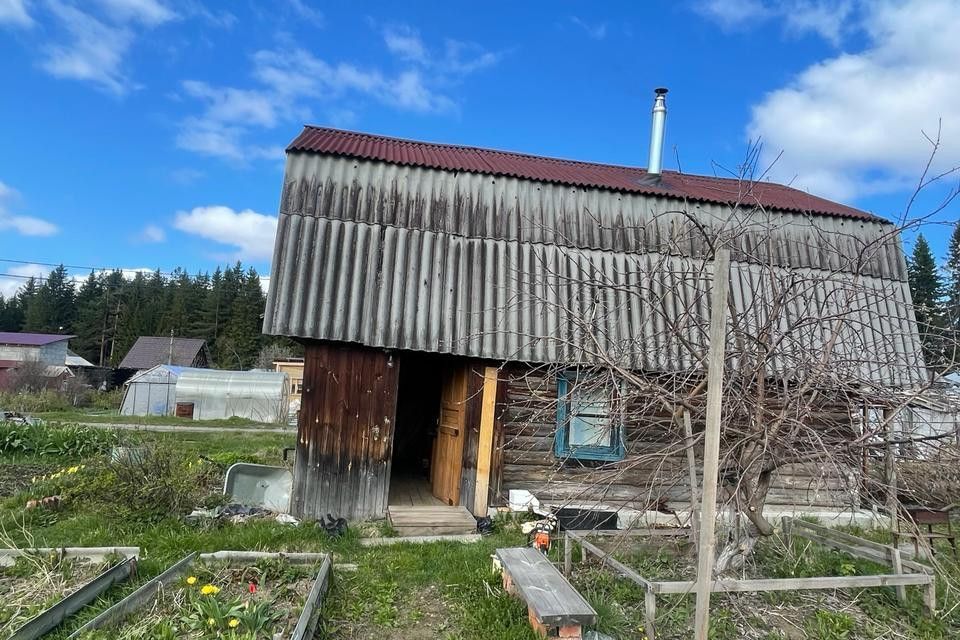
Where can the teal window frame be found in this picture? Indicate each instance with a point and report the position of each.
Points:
(616, 450)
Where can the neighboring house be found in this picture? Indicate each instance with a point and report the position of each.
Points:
(293, 367)
(149, 351)
(433, 286)
(48, 350)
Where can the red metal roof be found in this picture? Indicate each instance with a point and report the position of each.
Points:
(572, 172)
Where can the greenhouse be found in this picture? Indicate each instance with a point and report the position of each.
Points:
(151, 392)
(207, 394)
(262, 396)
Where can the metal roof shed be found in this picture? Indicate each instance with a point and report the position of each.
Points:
(262, 396)
(151, 392)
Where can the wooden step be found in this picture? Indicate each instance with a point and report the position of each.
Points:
(431, 520)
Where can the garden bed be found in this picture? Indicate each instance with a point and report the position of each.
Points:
(41, 589)
(243, 596)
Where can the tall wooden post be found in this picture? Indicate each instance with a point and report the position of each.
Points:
(711, 445)
(694, 484)
(890, 471)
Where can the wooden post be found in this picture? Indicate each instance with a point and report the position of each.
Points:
(890, 471)
(567, 554)
(930, 595)
(897, 563)
(787, 526)
(694, 485)
(488, 410)
(650, 610)
(711, 445)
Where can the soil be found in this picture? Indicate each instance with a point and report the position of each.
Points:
(33, 585)
(284, 585)
(15, 478)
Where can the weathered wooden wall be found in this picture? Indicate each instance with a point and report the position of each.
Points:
(654, 470)
(345, 432)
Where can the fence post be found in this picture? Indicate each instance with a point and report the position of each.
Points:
(650, 609)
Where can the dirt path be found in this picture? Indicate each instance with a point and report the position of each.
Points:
(173, 428)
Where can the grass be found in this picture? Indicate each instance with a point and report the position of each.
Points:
(447, 590)
(113, 417)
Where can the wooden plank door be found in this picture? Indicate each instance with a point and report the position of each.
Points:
(447, 459)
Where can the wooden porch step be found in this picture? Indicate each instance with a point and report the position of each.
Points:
(431, 520)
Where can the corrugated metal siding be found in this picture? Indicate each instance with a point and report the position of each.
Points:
(409, 258)
(475, 205)
(453, 158)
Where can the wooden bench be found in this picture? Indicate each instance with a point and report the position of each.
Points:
(554, 607)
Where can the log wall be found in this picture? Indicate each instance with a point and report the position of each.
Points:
(654, 470)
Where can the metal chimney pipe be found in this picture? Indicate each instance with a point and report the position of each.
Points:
(655, 162)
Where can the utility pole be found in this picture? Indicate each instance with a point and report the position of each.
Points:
(711, 445)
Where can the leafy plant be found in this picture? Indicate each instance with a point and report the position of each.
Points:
(68, 441)
(830, 625)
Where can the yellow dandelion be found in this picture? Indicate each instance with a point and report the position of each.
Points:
(209, 590)
(234, 623)
(192, 580)
(211, 621)
(73, 469)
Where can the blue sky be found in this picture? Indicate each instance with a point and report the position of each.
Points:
(150, 133)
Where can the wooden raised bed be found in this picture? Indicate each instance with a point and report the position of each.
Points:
(906, 572)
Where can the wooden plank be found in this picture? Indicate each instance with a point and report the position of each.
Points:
(800, 584)
(466, 538)
(650, 614)
(250, 557)
(842, 541)
(711, 446)
(8, 557)
(485, 445)
(674, 532)
(692, 470)
(614, 564)
(547, 593)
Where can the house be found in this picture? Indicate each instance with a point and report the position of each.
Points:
(293, 367)
(48, 351)
(149, 351)
(447, 296)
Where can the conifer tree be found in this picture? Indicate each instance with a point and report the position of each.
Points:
(926, 288)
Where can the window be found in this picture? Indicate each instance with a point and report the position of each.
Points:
(586, 426)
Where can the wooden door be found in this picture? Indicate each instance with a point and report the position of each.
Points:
(447, 459)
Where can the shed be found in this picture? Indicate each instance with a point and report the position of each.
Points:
(152, 392)
(262, 396)
(437, 289)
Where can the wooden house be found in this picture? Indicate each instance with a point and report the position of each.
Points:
(440, 290)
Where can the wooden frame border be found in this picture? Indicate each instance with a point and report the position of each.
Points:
(906, 572)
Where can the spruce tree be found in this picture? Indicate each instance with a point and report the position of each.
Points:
(926, 288)
(952, 287)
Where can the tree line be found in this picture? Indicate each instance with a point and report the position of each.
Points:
(936, 302)
(107, 312)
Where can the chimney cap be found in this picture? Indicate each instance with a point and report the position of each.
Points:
(661, 91)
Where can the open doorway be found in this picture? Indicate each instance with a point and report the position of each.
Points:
(415, 427)
(428, 432)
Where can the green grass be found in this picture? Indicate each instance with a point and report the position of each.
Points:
(113, 417)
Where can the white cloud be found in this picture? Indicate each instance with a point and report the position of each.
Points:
(152, 233)
(14, 12)
(24, 225)
(303, 9)
(853, 124)
(291, 81)
(733, 14)
(404, 42)
(94, 52)
(826, 18)
(19, 274)
(251, 233)
(148, 12)
(595, 31)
